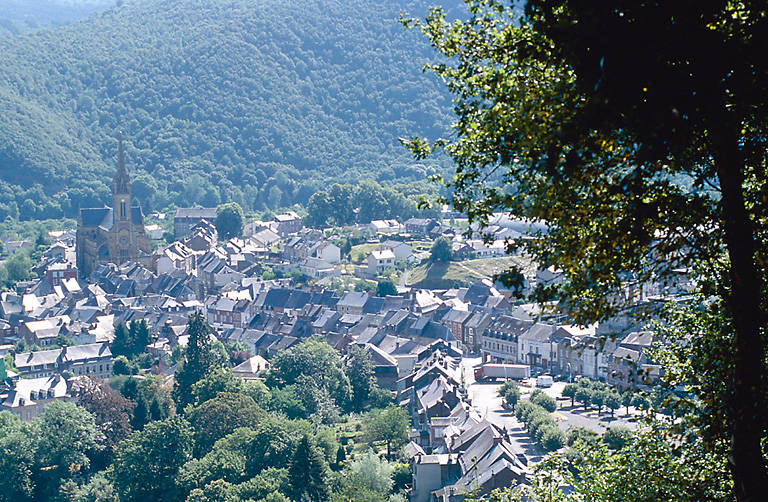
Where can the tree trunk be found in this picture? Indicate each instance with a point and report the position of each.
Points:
(746, 402)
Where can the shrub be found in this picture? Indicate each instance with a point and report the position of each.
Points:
(616, 437)
(545, 401)
(510, 392)
(582, 434)
(552, 438)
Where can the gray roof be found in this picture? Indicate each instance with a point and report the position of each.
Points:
(95, 217)
(196, 212)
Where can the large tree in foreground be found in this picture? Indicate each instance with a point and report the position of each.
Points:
(636, 130)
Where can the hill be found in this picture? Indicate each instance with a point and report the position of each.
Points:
(256, 101)
(24, 16)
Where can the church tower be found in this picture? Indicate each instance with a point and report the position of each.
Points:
(123, 230)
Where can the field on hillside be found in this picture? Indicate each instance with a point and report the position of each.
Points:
(448, 275)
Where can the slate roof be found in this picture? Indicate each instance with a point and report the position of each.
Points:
(96, 217)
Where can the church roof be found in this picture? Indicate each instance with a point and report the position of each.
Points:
(96, 216)
(103, 216)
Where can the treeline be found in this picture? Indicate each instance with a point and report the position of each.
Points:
(258, 103)
(214, 437)
(346, 204)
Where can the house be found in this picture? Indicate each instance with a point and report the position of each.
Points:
(386, 227)
(249, 369)
(535, 346)
(42, 332)
(328, 251)
(379, 261)
(629, 365)
(287, 223)
(202, 237)
(154, 232)
(28, 397)
(474, 329)
(352, 302)
(317, 268)
(420, 226)
(401, 250)
(228, 313)
(177, 256)
(187, 217)
(499, 342)
(93, 359)
(59, 271)
(432, 472)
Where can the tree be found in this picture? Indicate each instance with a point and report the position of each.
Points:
(372, 473)
(612, 401)
(148, 461)
(626, 399)
(547, 402)
(441, 250)
(67, 434)
(598, 399)
(308, 472)
(139, 336)
(317, 360)
(389, 425)
(217, 417)
(200, 359)
(359, 370)
(570, 391)
(121, 343)
(385, 287)
(584, 396)
(510, 392)
(18, 453)
(112, 412)
(562, 121)
(229, 220)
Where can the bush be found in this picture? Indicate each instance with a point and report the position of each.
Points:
(582, 434)
(510, 392)
(543, 400)
(121, 366)
(552, 438)
(616, 437)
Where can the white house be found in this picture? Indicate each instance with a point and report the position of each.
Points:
(328, 251)
(385, 227)
(378, 261)
(401, 250)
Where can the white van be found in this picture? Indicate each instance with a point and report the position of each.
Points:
(544, 381)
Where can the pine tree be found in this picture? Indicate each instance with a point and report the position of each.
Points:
(199, 360)
(307, 474)
(121, 343)
(139, 336)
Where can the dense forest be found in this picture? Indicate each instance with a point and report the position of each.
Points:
(256, 102)
(23, 16)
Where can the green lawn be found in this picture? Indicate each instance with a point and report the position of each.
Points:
(444, 276)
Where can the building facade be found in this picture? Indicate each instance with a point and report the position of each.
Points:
(113, 234)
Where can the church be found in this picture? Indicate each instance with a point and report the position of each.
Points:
(113, 234)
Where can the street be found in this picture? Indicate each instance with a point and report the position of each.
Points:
(487, 402)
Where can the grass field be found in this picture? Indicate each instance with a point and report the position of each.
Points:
(448, 275)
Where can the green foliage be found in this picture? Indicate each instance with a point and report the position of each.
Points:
(583, 435)
(16, 268)
(359, 370)
(441, 250)
(315, 360)
(389, 425)
(67, 434)
(148, 461)
(570, 390)
(616, 437)
(220, 416)
(385, 287)
(510, 392)
(229, 220)
(200, 359)
(540, 424)
(284, 110)
(121, 365)
(538, 397)
(308, 473)
(346, 204)
(18, 452)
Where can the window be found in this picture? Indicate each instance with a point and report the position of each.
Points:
(122, 210)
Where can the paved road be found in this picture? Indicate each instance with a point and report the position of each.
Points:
(487, 402)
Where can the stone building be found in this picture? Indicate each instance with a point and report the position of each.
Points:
(113, 234)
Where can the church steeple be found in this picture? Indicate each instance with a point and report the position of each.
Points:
(121, 183)
(121, 187)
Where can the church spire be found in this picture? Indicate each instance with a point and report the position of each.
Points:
(121, 183)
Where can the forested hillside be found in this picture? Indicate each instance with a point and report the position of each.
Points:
(22, 16)
(260, 102)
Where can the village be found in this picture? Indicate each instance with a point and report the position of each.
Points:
(280, 283)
